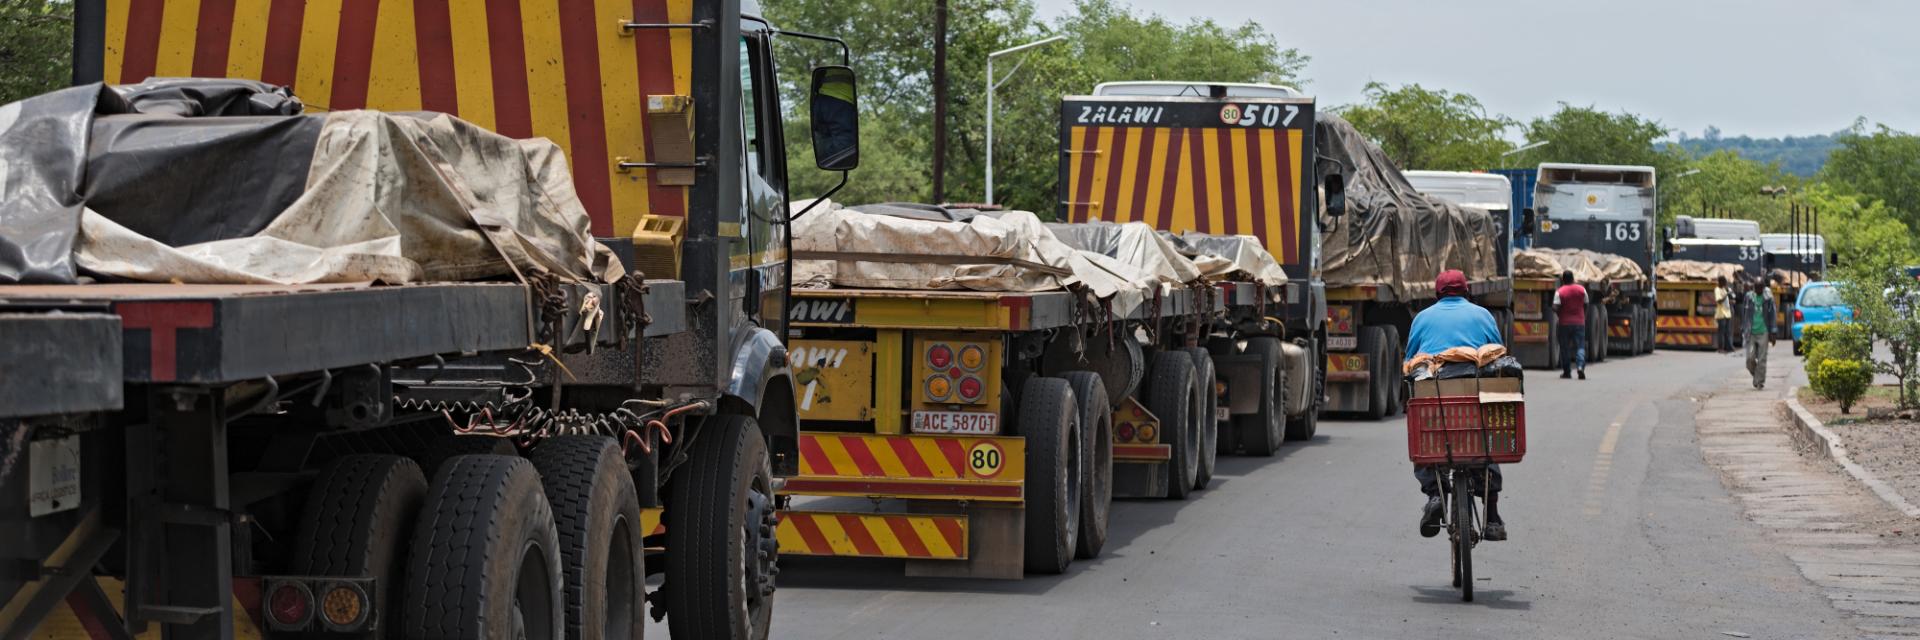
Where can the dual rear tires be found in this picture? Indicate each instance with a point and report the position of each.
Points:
(548, 546)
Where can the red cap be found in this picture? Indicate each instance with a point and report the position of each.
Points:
(1451, 283)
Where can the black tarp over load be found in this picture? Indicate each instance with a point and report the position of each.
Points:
(1391, 233)
(221, 181)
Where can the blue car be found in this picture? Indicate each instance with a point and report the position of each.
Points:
(1818, 303)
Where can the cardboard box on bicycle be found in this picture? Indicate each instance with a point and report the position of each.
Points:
(1507, 389)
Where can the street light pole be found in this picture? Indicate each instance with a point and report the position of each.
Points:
(991, 85)
(1525, 147)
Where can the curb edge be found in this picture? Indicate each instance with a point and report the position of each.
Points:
(1812, 431)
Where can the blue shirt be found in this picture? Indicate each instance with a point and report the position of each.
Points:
(1451, 322)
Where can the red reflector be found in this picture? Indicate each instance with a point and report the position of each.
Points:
(1124, 431)
(1799, 317)
(940, 356)
(970, 388)
(290, 605)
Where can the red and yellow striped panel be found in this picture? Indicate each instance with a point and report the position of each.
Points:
(1531, 331)
(1208, 179)
(911, 466)
(1686, 339)
(872, 535)
(1685, 323)
(1620, 328)
(558, 69)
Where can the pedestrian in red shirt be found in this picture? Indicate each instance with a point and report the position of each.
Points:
(1570, 304)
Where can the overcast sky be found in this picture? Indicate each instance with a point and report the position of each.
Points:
(1764, 68)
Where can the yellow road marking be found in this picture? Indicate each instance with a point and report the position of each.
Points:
(1603, 460)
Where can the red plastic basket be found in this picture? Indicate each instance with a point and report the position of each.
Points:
(1461, 430)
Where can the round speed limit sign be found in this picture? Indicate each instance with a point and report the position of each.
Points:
(986, 459)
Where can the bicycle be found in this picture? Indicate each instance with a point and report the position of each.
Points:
(1460, 426)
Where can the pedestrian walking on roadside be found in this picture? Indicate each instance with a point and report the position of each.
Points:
(1722, 316)
(1759, 339)
(1570, 306)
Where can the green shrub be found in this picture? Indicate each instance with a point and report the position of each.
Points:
(1842, 380)
(1812, 335)
(1821, 342)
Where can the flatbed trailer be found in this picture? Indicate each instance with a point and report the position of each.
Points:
(1616, 325)
(982, 434)
(1367, 326)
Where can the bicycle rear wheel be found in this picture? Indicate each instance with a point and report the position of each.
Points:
(1463, 532)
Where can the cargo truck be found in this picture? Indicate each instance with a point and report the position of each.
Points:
(441, 459)
(983, 433)
(1607, 209)
(1220, 159)
(1789, 254)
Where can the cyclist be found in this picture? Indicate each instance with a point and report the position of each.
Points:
(1452, 322)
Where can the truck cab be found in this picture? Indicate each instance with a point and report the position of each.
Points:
(1604, 208)
(1490, 191)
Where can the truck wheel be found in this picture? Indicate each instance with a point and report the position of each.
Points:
(1553, 339)
(1373, 342)
(1206, 400)
(1308, 423)
(485, 558)
(597, 512)
(1397, 349)
(1602, 342)
(1261, 433)
(1096, 438)
(721, 551)
(357, 520)
(445, 447)
(1050, 422)
(1170, 398)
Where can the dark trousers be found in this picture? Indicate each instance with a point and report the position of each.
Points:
(1573, 348)
(1723, 335)
(1430, 479)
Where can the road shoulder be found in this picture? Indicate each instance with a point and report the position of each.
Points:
(1860, 551)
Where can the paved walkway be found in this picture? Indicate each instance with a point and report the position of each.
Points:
(1860, 552)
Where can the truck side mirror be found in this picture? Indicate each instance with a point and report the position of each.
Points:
(1336, 195)
(836, 119)
(1527, 222)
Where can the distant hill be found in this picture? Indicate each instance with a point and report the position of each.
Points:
(1798, 155)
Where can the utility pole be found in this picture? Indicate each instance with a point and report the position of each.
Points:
(939, 101)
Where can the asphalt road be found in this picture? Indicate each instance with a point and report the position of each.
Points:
(1618, 528)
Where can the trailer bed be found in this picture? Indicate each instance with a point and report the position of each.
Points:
(1008, 311)
(213, 334)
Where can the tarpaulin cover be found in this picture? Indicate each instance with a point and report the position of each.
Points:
(202, 181)
(1391, 233)
(1220, 257)
(1790, 278)
(1588, 267)
(1010, 251)
(1696, 271)
(1132, 243)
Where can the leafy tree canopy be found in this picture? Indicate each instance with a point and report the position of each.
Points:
(36, 47)
(1421, 128)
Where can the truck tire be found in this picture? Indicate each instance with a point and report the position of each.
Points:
(1096, 438)
(596, 510)
(1373, 342)
(721, 550)
(485, 558)
(1553, 340)
(1170, 398)
(1397, 349)
(1262, 432)
(1308, 422)
(1206, 398)
(1050, 422)
(357, 520)
(1602, 343)
(445, 447)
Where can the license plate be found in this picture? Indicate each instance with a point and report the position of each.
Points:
(1342, 343)
(1220, 414)
(960, 422)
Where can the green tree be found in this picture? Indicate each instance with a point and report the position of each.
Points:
(36, 47)
(891, 55)
(1421, 128)
(1881, 164)
(1589, 135)
(1884, 300)
(1857, 228)
(1723, 181)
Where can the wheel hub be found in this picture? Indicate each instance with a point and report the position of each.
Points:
(762, 546)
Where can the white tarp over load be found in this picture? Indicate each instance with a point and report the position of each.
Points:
(1696, 271)
(1220, 258)
(1588, 267)
(218, 182)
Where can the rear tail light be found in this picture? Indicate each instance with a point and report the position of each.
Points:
(1799, 317)
(970, 388)
(1123, 431)
(972, 357)
(939, 387)
(290, 605)
(940, 356)
(343, 607)
(1147, 432)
